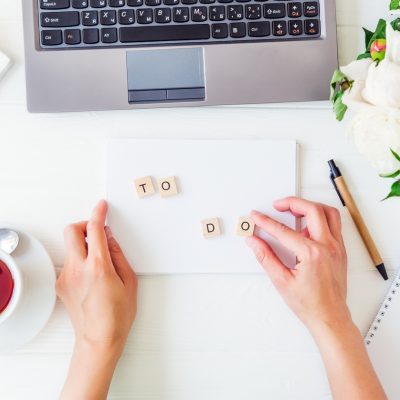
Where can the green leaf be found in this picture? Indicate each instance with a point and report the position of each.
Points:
(339, 107)
(396, 24)
(368, 36)
(367, 54)
(394, 4)
(391, 175)
(337, 78)
(396, 156)
(339, 85)
(394, 191)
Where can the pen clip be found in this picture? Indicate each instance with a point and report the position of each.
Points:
(337, 190)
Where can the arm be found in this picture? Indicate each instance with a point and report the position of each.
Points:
(99, 288)
(316, 291)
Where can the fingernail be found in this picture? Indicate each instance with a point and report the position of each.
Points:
(109, 233)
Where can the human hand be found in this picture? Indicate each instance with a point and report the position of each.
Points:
(316, 288)
(97, 285)
(99, 289)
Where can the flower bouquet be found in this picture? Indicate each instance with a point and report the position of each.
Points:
(370, 88)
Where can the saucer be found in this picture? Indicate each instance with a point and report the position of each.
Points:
(38, 297)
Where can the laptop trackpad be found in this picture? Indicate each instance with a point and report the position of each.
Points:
(165, 75)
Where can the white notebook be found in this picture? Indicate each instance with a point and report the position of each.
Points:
(216, 178)
(383, 341)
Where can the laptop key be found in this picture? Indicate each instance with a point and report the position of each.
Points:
(181, 14)
(116, 3)
(238, 29)
(109, 35)
(98, 3)
(294, 10)
(126, 17)
(80, 4)
(259, 29)
(59, 19)
(90, 18)
(90, 36)
(311, 9)
(272, 11)
(145, 16)
(108, 17)
(311, 27)
(135, 3)
(162, 15)
(72, 36)
(171, 2)
(279, 28)
(219, 31)
(295, 28)
(54, 4)
(52, 38)
(253, 11)
(153, 2)
(164, 33)
(235, 12)
(199, 14)
(217, 13)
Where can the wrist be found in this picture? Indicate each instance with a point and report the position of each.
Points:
(98, 351)
(91, 370)
(336, 329)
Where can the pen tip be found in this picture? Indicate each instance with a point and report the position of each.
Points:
(382, 270)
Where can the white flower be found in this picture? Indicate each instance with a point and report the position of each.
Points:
(357, 70)
(375, 99)
(382, 85)
(374, 133)
(392, 44)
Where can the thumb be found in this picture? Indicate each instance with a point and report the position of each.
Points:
(121, 264)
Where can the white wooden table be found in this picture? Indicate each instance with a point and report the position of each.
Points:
(196, 337)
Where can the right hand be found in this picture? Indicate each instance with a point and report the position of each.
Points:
(316, 288)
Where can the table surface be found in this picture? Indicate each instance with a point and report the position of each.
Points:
(196, 337)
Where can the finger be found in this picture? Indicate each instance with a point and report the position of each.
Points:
(305, 233)
(121, 264)
(96, 237)
(75, 240)
(289, 238)
(334, 222)
(313, 213)
(273, 266)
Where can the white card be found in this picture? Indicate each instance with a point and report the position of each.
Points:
(216, 179)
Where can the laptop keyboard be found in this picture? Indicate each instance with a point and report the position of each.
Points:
(112, 23)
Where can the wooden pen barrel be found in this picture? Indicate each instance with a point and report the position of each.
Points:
(358, 220)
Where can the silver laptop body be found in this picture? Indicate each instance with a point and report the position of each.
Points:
(123, 54)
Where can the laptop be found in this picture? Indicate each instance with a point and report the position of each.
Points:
(84, 55)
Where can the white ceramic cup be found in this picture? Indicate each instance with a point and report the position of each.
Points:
(18, 286)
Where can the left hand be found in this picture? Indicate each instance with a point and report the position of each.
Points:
(97, 284)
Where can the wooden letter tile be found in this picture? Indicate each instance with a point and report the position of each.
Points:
(211, 227)
(245, 227)
(168, 187)
(144, 186)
